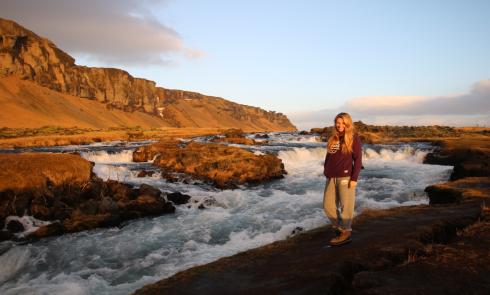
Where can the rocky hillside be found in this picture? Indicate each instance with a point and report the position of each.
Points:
(30, 57)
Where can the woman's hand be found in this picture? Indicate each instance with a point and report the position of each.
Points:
(352, 184)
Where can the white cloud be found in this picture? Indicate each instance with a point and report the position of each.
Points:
(123, 32)
(382, 102)
(468, 109)
(476, 102)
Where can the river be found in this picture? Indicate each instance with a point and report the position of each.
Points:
(122, 259)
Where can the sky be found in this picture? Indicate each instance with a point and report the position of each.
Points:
(385, 62)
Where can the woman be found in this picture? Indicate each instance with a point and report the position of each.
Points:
(343, 163)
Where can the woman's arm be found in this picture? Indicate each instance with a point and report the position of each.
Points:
(356, 157)
(325, 163)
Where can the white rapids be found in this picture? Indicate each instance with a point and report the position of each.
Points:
(121, 260)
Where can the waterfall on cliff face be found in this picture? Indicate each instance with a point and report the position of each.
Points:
(120, 260)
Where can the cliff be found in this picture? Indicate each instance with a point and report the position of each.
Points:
(30, 57)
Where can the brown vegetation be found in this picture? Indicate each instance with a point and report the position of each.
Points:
(470, 155)
(235, 136)
(223, 165)
(386, 134)
(17, 138)
(62, 189)
(112, 95)
(28, 105)
(402, 250)
(405, 250)
(38, 171)
(456, 191)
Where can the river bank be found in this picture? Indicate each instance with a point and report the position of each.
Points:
(44, 195)
(234, 220)
(420, 249)
(403, 250)
(56, 136)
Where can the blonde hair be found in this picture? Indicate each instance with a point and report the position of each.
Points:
(348, 133)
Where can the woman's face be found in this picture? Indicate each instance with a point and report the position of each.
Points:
(339, 125)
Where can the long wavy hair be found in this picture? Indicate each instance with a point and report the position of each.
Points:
(348, 134)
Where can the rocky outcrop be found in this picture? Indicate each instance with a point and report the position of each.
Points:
(469, 156)
(384, 134)
(26, 55)
(457, 191)
(404, 250)
(62, 195)
(235, 136)
(222, 165)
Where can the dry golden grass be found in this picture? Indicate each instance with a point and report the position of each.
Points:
(222, 164)
(468, 141)
(35, 171)
(28, 105)
(471, 187)
(474, 129)
(107, 135)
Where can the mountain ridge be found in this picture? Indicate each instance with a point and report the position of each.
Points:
(30, 57)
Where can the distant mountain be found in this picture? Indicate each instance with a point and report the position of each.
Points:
(26, 56)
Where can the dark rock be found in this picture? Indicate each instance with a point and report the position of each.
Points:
(146, 189)
(261, 135)
(79, 207)
(467, 162)
(79, 222)
(6, 209)
(90, 207)
(144, 173)
(92, 190)
(435, 158)
(120, 191)
(53, 229)
(149, 205)
(108, 205)
(21, 203)
(15, 226)
(296, 231)
(6, 235)
(178, 198)
(169, 177)
(39, 208)
(60, 210)
(462, 170)
(439, 194)
(207, 202)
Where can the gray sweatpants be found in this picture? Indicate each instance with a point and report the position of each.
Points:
(338, 202)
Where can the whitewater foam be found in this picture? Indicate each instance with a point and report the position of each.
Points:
(120, 260)
(104, 157)
(30, 224)
(406, 153)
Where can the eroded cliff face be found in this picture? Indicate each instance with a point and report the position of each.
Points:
(30, 57)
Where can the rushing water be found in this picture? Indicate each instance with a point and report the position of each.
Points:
(121, 260)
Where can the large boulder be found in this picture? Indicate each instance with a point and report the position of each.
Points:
(458, 190)
(178, 198)
(68, 196)
(222, 165)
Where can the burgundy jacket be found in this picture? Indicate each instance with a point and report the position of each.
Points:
(338, 164)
